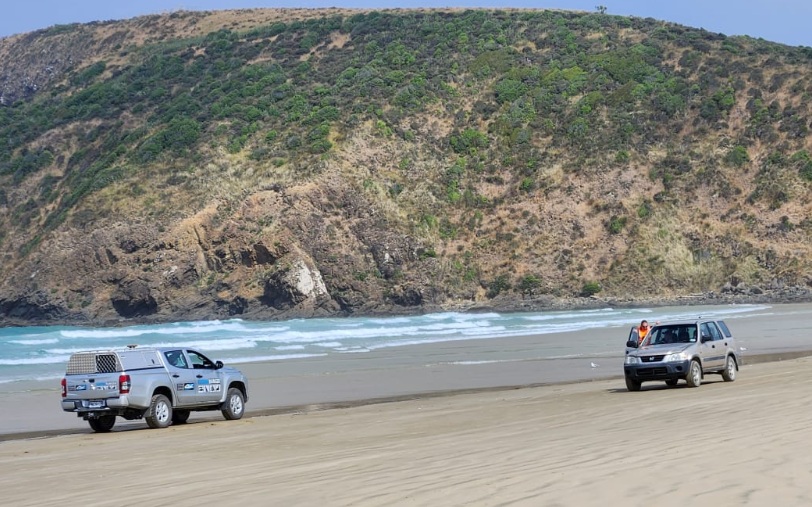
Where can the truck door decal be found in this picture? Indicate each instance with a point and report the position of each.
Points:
(206, 385)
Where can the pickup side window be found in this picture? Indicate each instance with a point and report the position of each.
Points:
(176, 359)
(199, 361)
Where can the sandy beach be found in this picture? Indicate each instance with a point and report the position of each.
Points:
(740, 443)
(392, 429)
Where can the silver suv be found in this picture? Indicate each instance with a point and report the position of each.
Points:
(681, 350)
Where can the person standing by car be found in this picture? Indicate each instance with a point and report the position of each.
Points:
(642, 331)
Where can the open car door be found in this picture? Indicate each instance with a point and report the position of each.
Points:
(634, 337)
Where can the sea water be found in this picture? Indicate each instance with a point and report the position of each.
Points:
(41, 353)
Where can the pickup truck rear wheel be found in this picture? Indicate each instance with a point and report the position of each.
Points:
(234, 407)
(102, 424)
(694, 377)
(180, 416)
(159, 413)
(632, 385)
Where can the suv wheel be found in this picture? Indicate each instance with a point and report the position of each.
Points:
(694, 377)
(729, 373)
(632, 385)
(159, 413)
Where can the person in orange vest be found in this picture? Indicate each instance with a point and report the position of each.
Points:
(642, 331)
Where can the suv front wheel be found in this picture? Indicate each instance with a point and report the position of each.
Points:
(632, 385)
(694, 377)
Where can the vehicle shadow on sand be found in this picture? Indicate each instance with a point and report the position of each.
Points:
(661, 386)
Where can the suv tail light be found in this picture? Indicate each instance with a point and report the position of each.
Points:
(64, 388)
(123, 384)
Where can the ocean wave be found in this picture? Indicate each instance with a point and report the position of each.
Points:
(290, 347)
(259, 359)
(202, 327)
(62, 358)
(328, 345)
(202, 345)
(47, 341)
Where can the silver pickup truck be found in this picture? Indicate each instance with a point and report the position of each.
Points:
(161, 385)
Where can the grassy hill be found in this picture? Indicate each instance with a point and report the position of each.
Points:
(271, 163)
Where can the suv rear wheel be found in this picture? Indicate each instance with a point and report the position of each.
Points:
(694, 377)
(729, 373)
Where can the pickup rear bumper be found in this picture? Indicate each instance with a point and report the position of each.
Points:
(97, 405)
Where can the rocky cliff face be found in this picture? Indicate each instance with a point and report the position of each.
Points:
(273, 164)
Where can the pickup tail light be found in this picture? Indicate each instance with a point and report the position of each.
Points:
(64, 388)
(123, 384)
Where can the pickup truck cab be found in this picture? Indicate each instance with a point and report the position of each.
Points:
(161, 385)
(683, 350)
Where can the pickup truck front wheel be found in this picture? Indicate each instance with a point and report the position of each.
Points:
(234, 407)
(102, 424)
(159, 414)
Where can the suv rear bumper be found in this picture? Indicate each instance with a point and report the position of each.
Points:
(657, 371)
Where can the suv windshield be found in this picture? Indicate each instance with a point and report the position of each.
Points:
(677, 333)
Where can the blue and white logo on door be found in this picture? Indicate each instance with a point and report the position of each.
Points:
(206, 385)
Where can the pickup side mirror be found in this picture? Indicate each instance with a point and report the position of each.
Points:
(631, 344)
(218, 365)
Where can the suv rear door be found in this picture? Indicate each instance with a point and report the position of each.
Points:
(712, 347)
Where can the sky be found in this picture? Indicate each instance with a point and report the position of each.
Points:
(784, 21)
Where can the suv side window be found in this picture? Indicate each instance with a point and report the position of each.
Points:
(725, 330)
(704, 330)
(714, 331)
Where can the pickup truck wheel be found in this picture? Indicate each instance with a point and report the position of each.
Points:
(234, 407)
(102, 424)
(694, 377)
(180, 416)
(159, 413)
(632, 385)
(729, 373)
